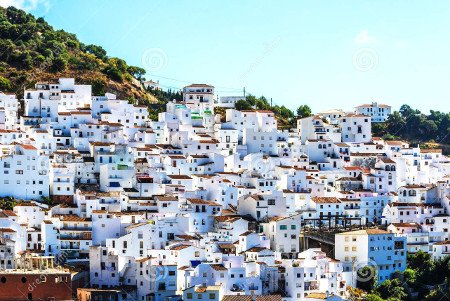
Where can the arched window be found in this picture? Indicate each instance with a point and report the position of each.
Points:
(393, 168)
(387, 168)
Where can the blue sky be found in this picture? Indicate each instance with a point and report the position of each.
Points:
(327, 54)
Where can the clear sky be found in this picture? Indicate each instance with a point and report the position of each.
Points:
(327, 54)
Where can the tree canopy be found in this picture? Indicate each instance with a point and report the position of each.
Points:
(304, 111)
(29, 43)
(423, 276)
(412, 125)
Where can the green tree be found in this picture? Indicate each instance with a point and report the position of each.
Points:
(378, 129)
(5, 84)
(59, 64)
(373, 297)
(304, 111)
(395, 123)
(243, 105)
(7, 203)
(137, 72)
(406, 111)
(98, 51)
(391, 289)
(98, 87)
(418, 260)
(437, 295)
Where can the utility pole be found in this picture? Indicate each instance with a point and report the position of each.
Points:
(244, 92)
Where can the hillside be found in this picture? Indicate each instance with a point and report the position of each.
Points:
(32, 51)
(429, 130)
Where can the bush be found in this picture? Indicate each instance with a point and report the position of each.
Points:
(114, 73)
(5, 84)
(243, 105)
(98, 87)
(59, 64)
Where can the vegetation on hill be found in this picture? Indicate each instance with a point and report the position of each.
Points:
(413, 126)
(7, 203)
(32, 51)
(423, 279)
(163, 98)
(285, 117)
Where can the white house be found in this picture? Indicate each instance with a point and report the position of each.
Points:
(378, 112)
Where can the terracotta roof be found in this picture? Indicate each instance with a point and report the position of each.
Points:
(413, 186)
(218, 267)
(237, 298)
(8, 213)
(269, 298)
(7, 230)
(431, 150)
(203, 202)
(180, 177)
(365, 232)
(186, 237)
(256, 249)
(394, 142)
(406, 225)
(445, 242)
(325, 200)
(28, 146)
(246, 233)
(387, 160)
(227, 218)
(199, 85)
(179, 247)
(72, 218)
